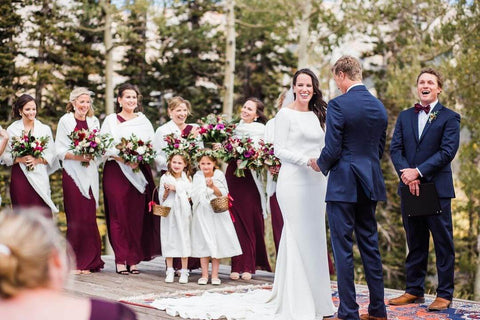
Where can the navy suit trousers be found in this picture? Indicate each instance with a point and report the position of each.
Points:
(344, 218)
(418, 237)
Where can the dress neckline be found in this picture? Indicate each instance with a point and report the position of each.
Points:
(298, 110)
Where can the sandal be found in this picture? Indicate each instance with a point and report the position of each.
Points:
(133, 270)
(122, 272)
(246, 276)
(234, 276)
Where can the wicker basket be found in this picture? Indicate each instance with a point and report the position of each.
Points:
(158, 209)
(219, 204)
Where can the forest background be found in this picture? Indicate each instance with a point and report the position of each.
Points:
(218, 53)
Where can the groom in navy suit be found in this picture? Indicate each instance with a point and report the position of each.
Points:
(424, 143)
(354, 143)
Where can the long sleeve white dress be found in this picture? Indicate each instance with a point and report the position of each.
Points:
(301, 288)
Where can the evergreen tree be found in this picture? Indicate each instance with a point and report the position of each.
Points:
(189, 59)
(11, 25)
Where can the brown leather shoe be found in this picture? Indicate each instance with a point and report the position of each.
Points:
(366, 316)
(405, 298)
(439, 304)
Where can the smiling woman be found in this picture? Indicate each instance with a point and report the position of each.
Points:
(29, 184)
(80, 182)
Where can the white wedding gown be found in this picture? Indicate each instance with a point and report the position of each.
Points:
(301, 288)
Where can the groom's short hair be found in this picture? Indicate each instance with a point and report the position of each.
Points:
(350, 66)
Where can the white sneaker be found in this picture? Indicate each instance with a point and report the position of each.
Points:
(169, 275)
(216, 281)
(183, 277)
(202, 281)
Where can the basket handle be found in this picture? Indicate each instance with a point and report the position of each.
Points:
(152, 202)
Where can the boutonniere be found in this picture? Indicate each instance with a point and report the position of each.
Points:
(432, 116)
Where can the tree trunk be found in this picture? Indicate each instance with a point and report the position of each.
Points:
(303, 28)
(476, 285)
(229, 61)
(108, 56)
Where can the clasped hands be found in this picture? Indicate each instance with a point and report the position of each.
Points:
(31, 161)
(410, 178)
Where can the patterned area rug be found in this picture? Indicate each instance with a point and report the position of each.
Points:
(460, 309)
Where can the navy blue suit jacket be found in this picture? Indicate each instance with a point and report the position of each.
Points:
(354, 144)
(433, 152)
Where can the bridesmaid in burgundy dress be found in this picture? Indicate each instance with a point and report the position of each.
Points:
(29, 183)
(178, 111)
(80, 184)
(127, 191)
(249, 204)
(34, 268)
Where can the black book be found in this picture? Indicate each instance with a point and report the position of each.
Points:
(426, 204)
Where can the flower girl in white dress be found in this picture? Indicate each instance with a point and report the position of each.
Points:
(174, 192)
(213, 234)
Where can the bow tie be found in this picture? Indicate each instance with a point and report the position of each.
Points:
(419, 107)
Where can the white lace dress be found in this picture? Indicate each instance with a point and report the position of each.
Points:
(301, 288)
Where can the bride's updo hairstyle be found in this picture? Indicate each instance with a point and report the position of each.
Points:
(27, 242)
(316, 104)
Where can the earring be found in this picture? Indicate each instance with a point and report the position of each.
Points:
(255, 119)
(120, 105)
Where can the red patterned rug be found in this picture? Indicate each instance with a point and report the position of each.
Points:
(460, 309)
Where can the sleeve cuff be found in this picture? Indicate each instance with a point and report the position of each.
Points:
(419, 172)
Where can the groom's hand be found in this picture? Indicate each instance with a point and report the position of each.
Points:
(414, 187)
(313, 164)
(409, 175)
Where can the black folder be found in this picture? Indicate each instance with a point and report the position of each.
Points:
(426, 204)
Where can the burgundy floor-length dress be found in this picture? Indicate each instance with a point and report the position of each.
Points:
(249, 224)
(22, 193)
(277, 220)
(124, 212)
(82, 229)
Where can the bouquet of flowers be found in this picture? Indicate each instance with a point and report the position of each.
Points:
(242, 150)
(28, 145)
(176, 144)
(269, 159)
(86, 142)
(215, 128)
(135, 150)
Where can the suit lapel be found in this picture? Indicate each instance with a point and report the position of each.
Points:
(414, 121)
(438, 106)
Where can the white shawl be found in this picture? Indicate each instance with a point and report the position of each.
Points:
(255, 131)
(142, 128)
(201, 194)
(84, 177)
(159, 143)
(179, 197)
(38, 178)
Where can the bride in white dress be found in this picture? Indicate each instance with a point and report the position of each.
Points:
(301, 288)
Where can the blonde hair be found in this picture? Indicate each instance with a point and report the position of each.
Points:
(77, 92)
(174, 102)
(350, 66)
(28, 240)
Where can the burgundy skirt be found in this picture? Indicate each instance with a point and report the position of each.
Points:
(249, 223)
(82, 229)
(23, 195)
(277, 220)
(151, 223)
(124, 212)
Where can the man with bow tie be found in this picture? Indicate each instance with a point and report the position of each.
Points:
(424, 143)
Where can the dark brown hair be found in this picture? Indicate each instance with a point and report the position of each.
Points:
(316, 104)
(18, 106)
(261, 117)
(121, 90)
